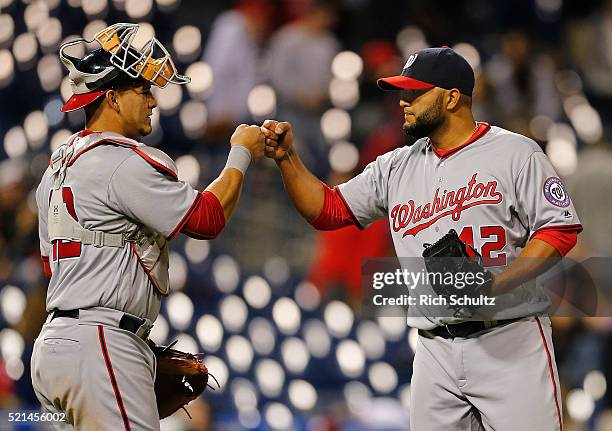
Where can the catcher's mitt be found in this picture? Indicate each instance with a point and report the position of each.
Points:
(179, 379)
(450, 255)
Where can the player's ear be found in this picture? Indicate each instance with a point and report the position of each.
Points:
(453, 98)
(111, 99)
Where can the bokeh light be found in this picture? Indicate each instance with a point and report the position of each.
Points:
(347, 65)
(336, 125)
(187, 42)
(95, 8)
(226, 273)
(580, 405)
(338, 318)
(371, 339)
(7, 68)
(24, 50)
(317, 338)
(138, 9)
(295, 355)
(196, 250)
(180, 310)
(351, 358)
(262, 335)
(344, 93)
(201, 80)
(262, 101)
(12, 304)
(343, 157)
(210, 332)
(177, 271)
(15, 142)
(286, 315)
(257, 292)
(302, 395)
(233, 312)
(307, 296)
(270, 377)
(239, 353)
(36, 129)
(279, 417)
(193, 117)
(188, 169)
(382, 377)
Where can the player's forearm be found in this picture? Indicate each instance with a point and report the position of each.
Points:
(227, 188)
(304, 189)
(536, 258)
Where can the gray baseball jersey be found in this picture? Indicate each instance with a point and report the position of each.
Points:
(496, 191)
(110, 187)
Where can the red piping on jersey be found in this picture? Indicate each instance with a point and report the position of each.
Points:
(552, 374)
(562, 240)
(180, 225)
(565, 227)
(102, 142)
(111, 375)
(148, 271)
(478, 133)
(334, 213)
(86, 132)
(348, 208)
(156, 163)
(129, 145)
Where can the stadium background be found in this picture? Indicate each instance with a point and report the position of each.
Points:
(270, 301)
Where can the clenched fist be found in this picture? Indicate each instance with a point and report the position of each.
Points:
(279, 139)
(251, 137)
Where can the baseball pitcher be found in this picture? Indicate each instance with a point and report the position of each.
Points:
(464, 187)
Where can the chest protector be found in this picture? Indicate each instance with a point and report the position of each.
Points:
(149, 247)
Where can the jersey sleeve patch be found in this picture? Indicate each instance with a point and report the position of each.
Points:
(555, 193)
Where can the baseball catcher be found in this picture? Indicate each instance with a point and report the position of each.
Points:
(107, 206)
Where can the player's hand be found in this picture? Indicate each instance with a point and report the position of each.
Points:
(250, 137)
(279, 138)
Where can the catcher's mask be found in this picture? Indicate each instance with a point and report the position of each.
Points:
(116, 61)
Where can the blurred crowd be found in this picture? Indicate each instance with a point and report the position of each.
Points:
(274, 303)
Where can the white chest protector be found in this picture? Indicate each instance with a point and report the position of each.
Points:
(150, 247)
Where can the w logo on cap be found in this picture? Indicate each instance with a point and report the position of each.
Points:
(411, 60)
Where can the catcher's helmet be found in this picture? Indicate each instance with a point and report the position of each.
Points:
(116, 61)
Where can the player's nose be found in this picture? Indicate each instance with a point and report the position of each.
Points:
(152, 102)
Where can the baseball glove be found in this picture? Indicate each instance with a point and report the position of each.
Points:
(449, 257)
(179, 379)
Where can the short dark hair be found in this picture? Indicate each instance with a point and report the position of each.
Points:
(122, 82)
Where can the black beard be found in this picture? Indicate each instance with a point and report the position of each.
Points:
(426, 123)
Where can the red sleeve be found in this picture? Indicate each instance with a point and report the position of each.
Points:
(206, 219)
(562, 240)
(335, 214)
(46, 266)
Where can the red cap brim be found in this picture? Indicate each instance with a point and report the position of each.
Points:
(402, 83)
(77, 101)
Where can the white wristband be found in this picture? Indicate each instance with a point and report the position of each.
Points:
(239, 158)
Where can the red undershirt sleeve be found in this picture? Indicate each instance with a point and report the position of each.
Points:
(562, 240)
(207, 219)
(334, 214)
(46, 266)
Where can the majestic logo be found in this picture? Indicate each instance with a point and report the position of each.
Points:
(411, 60)
(451, 203)
(555, 192)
